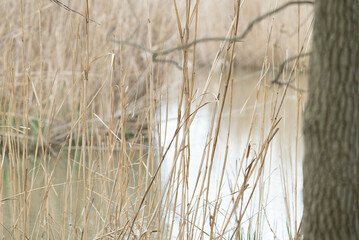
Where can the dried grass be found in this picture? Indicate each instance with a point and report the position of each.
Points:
(85, 121)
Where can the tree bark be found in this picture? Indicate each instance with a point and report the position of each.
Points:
(331, 124)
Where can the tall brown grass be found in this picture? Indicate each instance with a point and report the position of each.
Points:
(84, 120)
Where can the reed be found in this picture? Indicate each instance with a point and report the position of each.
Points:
(97, 138)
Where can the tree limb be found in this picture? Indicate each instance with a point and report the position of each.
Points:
(239, 38)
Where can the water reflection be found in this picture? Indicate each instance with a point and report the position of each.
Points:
(103, 198)
(276, 205)
(67, 205)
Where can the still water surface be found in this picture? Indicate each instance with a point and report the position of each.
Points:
(276, 205)
(273, 206)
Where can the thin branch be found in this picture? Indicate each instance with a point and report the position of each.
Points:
(239, 38)
(281, 69)
(67, 8)
(292, 87)
(177, 64)
(285, 62)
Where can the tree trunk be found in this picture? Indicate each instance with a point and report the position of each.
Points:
(331, 127)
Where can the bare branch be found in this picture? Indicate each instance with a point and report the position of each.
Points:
(207, 39)
(67, 8)
(281, 69)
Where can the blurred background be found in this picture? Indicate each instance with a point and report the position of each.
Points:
(102, 137)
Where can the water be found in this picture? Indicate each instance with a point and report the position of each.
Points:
(273, 207)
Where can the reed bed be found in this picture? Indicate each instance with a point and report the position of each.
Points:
(85, 119)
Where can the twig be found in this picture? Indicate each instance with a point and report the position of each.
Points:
(238, 38)
(177, 64)
(282, 65)
(292, 87)
(67, 8)
(281, 69)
